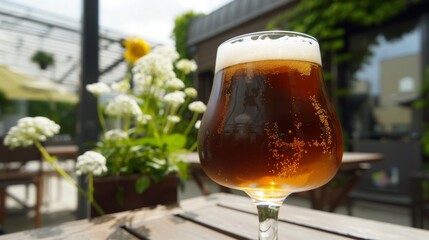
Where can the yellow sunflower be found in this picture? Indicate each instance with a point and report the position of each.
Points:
(135, 49)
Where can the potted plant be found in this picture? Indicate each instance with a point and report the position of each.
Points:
(43, 59)
(145, 132)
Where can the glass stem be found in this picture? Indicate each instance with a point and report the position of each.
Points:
(268, 213)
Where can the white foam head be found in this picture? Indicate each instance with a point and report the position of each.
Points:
(269, 45)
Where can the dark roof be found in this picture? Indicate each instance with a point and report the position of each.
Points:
(229, 16)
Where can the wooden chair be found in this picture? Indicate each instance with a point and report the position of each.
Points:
(330, 196)
(419, 189)
(13, 172)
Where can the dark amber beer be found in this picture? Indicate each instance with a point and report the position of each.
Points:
(269, 128)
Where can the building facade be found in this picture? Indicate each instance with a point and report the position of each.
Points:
(377, 114)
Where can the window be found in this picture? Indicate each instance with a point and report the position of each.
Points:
(386, 76)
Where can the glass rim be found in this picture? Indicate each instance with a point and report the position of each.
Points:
(270, 32)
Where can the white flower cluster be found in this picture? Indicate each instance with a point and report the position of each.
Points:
(121, 87)
(167, 52)
(156, 101)
(174, 84)
(190, 92)
(98, 88)
(31, 129)
(173, 119)
(154, 74)
(151, 72)
(197, 106)
(115, 135)
(91, 162)
(175, 98)
(186, 65)
(123, 105)
(144, 119)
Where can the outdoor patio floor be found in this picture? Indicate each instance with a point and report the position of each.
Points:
(61, 198)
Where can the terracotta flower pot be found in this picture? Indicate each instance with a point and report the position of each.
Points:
(107, 190)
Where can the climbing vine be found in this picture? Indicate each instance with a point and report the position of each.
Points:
(329, 20)
(180, 31)
(423, 103)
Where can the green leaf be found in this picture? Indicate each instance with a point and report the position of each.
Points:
(183, 170)
(142, 184)
(342, 92)
(147, 141)
(419, 104)
(174, 141)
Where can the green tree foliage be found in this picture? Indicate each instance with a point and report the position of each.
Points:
(180, 31)
(423, 103)
(329, 20)
(180, 36)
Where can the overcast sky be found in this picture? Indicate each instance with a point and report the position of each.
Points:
(150, 19)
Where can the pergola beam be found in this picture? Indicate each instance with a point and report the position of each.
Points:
(87, 123)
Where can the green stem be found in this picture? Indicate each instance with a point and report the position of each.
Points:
(167, 111)
(101, 117)
(66, 176)
(184, 105)
(132, 133)
(148, 98)
(191, 124)
(126, 123)
(91, 195)
(166, 128)
(146, 102)
(193, 147)
(91, 187)
(155, 130)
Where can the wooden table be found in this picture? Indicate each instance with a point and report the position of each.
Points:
(349, 158)
(221, 216)
(353, 166)
(356, 158)
(63, 151)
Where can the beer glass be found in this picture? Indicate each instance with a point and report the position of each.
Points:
(269, 128)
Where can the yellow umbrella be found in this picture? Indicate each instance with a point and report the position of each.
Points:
(17, 86)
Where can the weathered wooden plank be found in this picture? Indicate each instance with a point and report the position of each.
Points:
(222, 216)
(344, 225)
(172, 227)
(104, 227)
(246, 225)
(358, 227)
